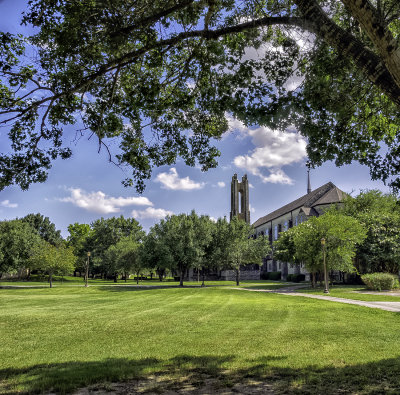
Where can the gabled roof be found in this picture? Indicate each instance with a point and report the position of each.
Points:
(333, 196)
(326, 194)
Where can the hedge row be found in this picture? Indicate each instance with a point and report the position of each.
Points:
(296, 278)
(380, 281)
(271, 275)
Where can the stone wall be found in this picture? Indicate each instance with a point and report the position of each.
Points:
(230, 275)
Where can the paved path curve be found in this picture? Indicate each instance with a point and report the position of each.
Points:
(388, 306)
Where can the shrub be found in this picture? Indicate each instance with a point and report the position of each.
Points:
(379, 281)
(264, 276)
(274, 275)
(296, 278)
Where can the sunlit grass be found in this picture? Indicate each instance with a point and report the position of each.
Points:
(356, 292)
(63, 338)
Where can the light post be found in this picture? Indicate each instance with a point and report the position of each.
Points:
(326, 290)
(87, 270)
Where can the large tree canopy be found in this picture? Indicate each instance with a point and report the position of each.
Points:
(162, 76)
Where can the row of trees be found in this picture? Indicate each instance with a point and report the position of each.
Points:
(33, 243)
(362, 235)
(120, 247)
(177, 243)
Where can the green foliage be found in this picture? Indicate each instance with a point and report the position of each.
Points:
(183, 239)
(17, 242)
(241, 248)
(155, 254)
(123, 257)
(296, 278)
(342, 233)
(78, 240)
(108, 232)
(165, 68)
(53, 260)
(380, 215)
(274, 276)
(44, 227)
(380, 281)
(284, 248)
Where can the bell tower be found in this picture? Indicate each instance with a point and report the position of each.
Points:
(240, 198)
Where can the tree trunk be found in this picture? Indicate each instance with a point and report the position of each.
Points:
(238, 276)
(204, 277)
(181, 278)
(51, 280)
(314, 280)
(115, 277)
(126, 276)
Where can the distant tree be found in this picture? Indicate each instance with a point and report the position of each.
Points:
(124, 258)
(284, 248)
(241, 248)
(342, 234)
(107, 232)
(78, 240)
(53, 260)
(182, 236)
(155, 253)
(204, 232)
(17, 241)
(380, 215)
(44, 227)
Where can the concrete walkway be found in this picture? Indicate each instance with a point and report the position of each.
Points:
(388, 306)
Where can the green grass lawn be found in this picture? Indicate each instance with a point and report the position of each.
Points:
(64, 338)
(353, 292)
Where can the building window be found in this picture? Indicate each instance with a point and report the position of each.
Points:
(295, 221)
(286, 226)
(276, 232)
(279, 266)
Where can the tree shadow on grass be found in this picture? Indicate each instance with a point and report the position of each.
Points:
(193, 373)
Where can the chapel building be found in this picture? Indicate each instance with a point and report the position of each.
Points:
(312, 204)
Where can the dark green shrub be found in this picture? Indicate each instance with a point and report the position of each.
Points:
(274, 275)
(299, 277)
(264, 276)
(296, 278)
(380, 281)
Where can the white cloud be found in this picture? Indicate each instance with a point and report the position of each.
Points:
(252, 209)
(6, 203)
(172, 181)
(99, 202)
(221, 184)
(274, 149)
(151, 212)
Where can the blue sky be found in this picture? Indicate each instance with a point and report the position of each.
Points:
(87, 187)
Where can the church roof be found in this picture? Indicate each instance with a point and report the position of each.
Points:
(326, 194)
